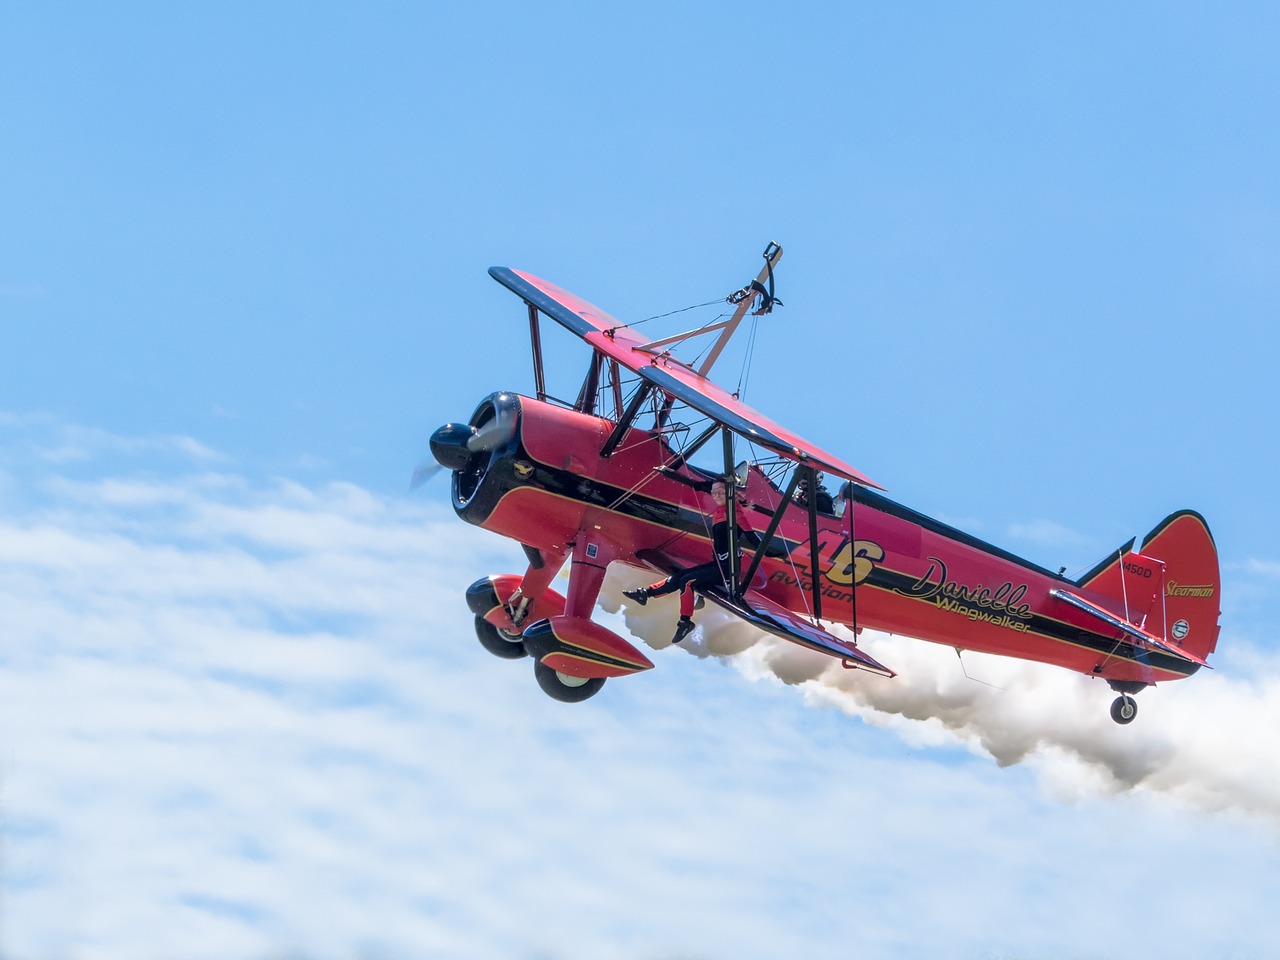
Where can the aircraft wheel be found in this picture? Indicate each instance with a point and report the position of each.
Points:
(1123, 709)
(499, 642)
(562, 687)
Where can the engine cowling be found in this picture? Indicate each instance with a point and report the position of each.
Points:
(475, 451)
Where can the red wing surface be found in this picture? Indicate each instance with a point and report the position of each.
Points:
(760, 611)
(621, 343)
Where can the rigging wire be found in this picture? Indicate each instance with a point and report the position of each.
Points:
(782, 505)
(679, 439)
(672, 313)
(967, 676)
(707, 528)
(706, 346)
(745, 373)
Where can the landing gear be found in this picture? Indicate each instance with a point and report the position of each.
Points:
(523, 617)
(562, 687)
(1124, 708)
(499, 642)
(499, 599)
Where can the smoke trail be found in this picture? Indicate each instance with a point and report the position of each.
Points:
(1195, 741)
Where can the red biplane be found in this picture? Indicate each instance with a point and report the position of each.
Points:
(609, 478)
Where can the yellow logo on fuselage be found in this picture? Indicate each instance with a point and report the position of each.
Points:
(853, 562)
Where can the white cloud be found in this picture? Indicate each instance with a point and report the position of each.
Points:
(243, 720)
(1047, 533)
(1187, 747)
(59, 443)
(1264, 568)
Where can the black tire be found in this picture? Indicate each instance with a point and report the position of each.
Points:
(1123, 709)
(499, 642)
(566, 689)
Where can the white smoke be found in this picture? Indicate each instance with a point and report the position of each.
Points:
(1195, 741)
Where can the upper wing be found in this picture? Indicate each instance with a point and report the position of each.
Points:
(618, 342)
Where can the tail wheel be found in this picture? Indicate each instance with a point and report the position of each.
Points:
(1123, 709)
(499, 642)
(562, 687)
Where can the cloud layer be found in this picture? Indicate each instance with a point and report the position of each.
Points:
(249, 720)
(1187, 745)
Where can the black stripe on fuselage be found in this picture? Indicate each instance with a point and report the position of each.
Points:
(1042, 625)
(883, 504)
(684, 520)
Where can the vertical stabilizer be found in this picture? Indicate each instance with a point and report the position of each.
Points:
(1170, 587)
(1192, 585)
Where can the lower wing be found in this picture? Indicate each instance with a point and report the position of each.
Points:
(770, 616)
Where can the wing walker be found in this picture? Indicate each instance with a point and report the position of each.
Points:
(609, 478)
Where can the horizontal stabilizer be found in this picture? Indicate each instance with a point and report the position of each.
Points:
(759, 611)
(1124, 627)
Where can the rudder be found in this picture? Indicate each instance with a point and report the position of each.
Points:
(1172, 584)
(1192, 582)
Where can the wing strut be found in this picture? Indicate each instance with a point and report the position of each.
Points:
(801, 472)
(767, 536)
(626, 420)
(590, 391)
(813, 538)
(772, 254)
(743, 299)
(731, 509)
(535, 338)
(674, 378)
(695, 446)
(853, 554)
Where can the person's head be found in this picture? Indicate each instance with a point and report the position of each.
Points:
(718, 494)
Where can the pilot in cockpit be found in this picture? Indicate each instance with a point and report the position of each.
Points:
(822, 496)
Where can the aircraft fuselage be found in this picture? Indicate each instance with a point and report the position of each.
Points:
(544, 483)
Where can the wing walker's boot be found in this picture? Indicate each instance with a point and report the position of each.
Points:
(640, 596)
(683, 628)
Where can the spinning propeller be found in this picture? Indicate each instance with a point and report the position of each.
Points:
(455, 446)
(423, 472)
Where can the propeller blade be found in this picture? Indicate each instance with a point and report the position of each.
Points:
(484, 440)
(423, 473)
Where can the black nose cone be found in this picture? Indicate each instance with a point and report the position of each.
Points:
(449, 445)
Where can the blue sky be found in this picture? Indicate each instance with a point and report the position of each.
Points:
(1031, 276)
